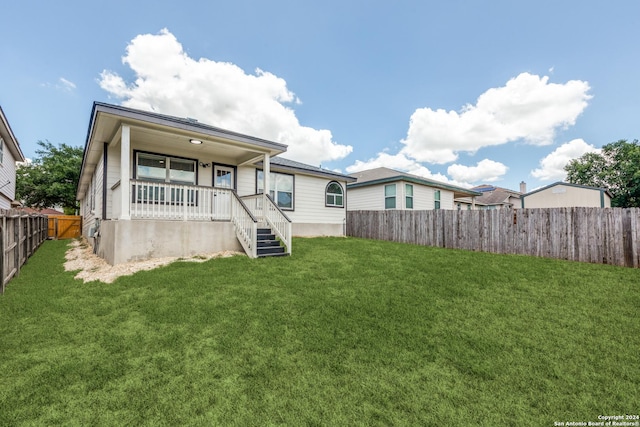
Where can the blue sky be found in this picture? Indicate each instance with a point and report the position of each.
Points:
(463, 91)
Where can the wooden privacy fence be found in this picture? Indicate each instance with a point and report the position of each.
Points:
(20, 236)
(64, 226)
(597, 235)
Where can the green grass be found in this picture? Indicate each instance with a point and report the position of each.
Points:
(344, 332)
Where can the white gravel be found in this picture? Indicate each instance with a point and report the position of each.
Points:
(90, 267)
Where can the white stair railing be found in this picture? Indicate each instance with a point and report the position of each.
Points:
(246, 226)
(263, 207)
(279, 222)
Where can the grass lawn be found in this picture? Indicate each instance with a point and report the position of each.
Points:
(344, 332)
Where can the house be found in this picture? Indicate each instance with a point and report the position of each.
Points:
(153, 185)
(10, 153)
(45, 211)
(493, 197)
(564, 194)
(384, 188)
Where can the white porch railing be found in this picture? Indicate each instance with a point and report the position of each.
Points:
(263, 207)
(159, 200)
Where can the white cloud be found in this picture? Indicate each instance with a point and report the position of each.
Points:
(217, 93)
(527, 108)
(486, 171)
(552, 166)
(67, 84)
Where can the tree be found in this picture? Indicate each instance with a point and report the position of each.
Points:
(616, 168)
(52, 178)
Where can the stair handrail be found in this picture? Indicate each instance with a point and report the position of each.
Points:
(246, 226)
(278, 221)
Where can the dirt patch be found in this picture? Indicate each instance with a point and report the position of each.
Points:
(90, 267)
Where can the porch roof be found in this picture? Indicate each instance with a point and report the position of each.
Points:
(9, 138)
(107, 119)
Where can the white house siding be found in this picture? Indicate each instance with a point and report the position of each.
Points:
(372, 197)
(246, 180)
(446, 199)
(7, 174)
(91, 205)
(113, 176)
(309, 202)
(366, 198)
(310, 216)
(422, 197)
(565, 196)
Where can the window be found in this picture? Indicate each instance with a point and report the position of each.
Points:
(164, 169)
(1, 150)
(154, 167)
(281, 190)
(436, 199)
(334, 195)
(390, 196)
(408, 196)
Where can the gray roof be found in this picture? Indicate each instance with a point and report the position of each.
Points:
(568, 184)
(178, 122)
(282, 164)
(383, 175)
(495, 195)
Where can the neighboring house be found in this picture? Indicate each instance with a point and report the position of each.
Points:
(384, 188)
(45, 211)
(153, 185)
(10, 153)
(564, 194)
(493, 198)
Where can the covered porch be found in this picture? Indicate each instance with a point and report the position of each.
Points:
(159, 170)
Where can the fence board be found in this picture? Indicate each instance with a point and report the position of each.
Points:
(596, 235)
(20, 235)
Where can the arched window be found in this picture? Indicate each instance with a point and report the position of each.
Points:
(334, 195)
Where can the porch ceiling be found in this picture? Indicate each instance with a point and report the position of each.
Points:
(210, 147)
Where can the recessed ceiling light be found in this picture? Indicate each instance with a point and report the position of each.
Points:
(195, 141)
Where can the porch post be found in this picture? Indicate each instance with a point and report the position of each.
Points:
(125, 167)
(266, 171)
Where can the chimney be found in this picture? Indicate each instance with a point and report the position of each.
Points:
(523, 187)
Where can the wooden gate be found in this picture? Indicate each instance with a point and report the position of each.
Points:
(64, 226)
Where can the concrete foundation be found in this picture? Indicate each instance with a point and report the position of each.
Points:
(125, 241)
(136, 240)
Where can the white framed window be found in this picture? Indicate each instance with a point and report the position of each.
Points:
(164, 169)
(408, 196)
(1, 151)
(156, 167)
(282, 188)
(334, 195)
(390, 196)
(436, 199)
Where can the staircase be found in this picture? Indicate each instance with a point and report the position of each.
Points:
(268, 244)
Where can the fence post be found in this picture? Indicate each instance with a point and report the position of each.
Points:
(16, 248)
